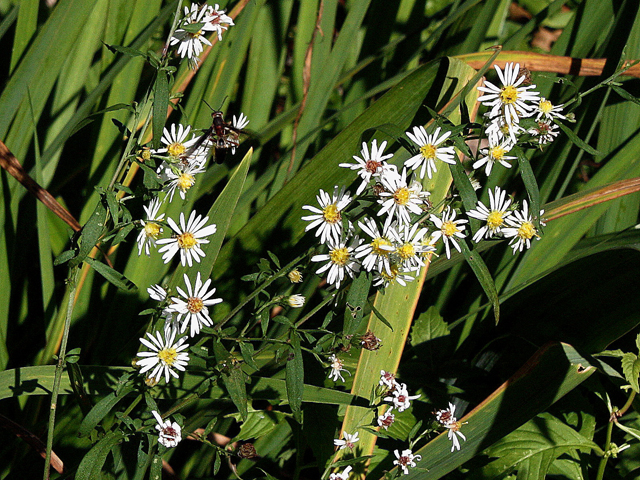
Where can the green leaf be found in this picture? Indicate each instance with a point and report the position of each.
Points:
(294, 377)
(427, 326)
(101, 410)
(577, 141)
(530, 183)
(64, 257)
(233, 378)
(483, 275)
(90, 233)
(91, 465)
(258, 424)
(113, 276)
(247, 350)
(631, 370)
(160, 105)
(356, 301)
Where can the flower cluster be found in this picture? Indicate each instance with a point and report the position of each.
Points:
(446, 418)
(198, 21)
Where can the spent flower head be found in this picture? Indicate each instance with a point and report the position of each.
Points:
(406, 459)
(169, 433)
(370, 165)
(347, 441)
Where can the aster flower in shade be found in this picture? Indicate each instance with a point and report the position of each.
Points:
(548, 111)
(328, 218)
(448, 229)
(192, 308)
(294, 276)
(376, 254)
(496, 152)
(520, 229)
(511, 99)
(150, 228)
(239, 123)
(369, 165)
(399, 200)
(386, 419)
(347, 441)
(337, 366)
(187, 239)
(296, 301)
(410, 248)
(388, 379)
(220, 21)
(429, 150)
(169, 433)
(341, 476)
(397, 273)
(495, 215)
(545, 132)
(400, 397)
(500, 130)
(340, 261)
(406, 459)
(164, 356)
(182, 179)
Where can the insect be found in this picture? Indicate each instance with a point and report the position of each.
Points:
(221, 136)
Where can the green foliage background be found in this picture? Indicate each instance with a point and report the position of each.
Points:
(373, 63)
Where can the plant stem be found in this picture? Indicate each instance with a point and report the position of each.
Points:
(605, 457)
(58, 374)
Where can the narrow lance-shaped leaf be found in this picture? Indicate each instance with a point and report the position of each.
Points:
(294, 371)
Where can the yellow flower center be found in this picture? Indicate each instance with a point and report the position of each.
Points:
(394, 273)
(497, 153)
(187, 240)
(194, 305)
(152, 229)
(168, 356)
(448, 229)
(428, 151)
(377, 243)
(406, 251)
(401, 197)
(176, 149)
(185, 181)
(545, 106)
(527, 231)
(509, 94)
(331, 214)
(339, 256)
(295, 276)
(494, 220)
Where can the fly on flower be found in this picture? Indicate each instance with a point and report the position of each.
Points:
(221, 135)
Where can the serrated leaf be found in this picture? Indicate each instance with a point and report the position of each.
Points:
(631, 369)
(427, 326)
(294, 377)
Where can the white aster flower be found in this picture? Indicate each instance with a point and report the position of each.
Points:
(386, 419)
(545, 131)
(369, 165)
(175, 141)
(495, 215)
(182, 179)
(187, 240)
(150, 228)
(165, 355)
(406, 459)
(340, 261)
(169, 433)
(387, 379)
(156, 292)
(376, 254)
(399, 200)
(341, 476)
(294, 276)
(511, 99)
(429, 150)
(337, 366)
(397, 273)
(449, 229)
(193, 305)
(328, 218)
(401, 399)
(220, 21)
(296, 301)
(499, 130)
(548, 111)
(521, 229)
(446, 417)
(347, 441)
(495, 153)
(453, 434)
(410, 246)
(240, 122)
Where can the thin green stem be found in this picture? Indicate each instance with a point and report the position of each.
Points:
(605, 457)
(627, 405)
(58, 374)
